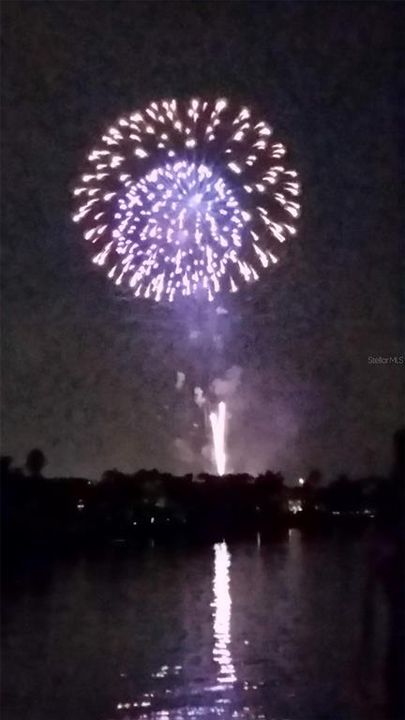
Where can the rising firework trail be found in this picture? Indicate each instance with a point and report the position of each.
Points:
(218, 427)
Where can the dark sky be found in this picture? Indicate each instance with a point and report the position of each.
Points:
(89, 376)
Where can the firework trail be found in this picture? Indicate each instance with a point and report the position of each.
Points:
(218, 423)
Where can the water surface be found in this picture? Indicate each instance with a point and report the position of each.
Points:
(231, 630)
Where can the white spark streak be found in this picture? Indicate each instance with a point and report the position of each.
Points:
(218, 426)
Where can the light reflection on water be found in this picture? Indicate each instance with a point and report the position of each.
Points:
(220, 704)
(252, 631)
(222, 614)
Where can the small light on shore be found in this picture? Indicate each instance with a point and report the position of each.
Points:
(295, 506)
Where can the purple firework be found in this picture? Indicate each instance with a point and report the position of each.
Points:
(186, 198)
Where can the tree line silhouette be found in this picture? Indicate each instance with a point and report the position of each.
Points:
(148, 503)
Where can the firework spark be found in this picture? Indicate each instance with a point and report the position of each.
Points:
(218, 426)
(186, 198)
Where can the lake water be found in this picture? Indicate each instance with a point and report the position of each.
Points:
(231, 630)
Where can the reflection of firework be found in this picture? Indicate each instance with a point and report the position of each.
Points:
(187, 198)
(222, 614)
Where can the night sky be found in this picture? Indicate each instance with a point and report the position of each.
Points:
(88, 375)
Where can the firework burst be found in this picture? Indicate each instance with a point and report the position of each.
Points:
(187, 198)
